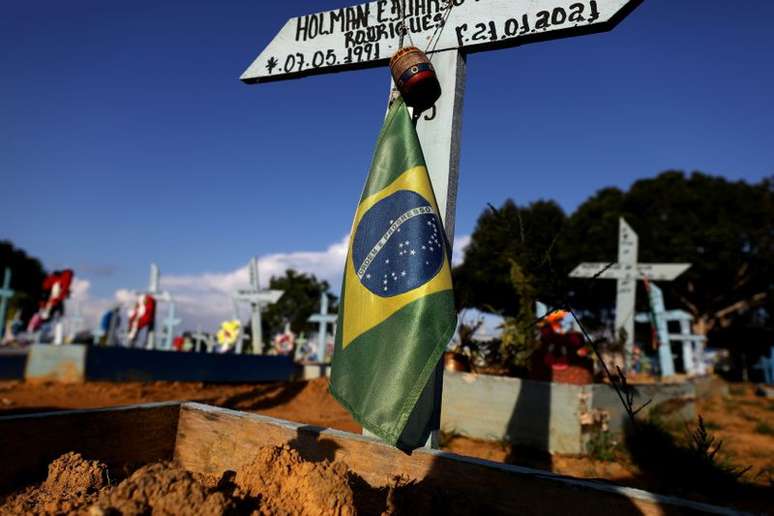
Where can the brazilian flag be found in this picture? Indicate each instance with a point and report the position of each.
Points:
(397, 313)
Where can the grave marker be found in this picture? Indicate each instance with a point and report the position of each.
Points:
(154, 289)
(169, 324)
(665, 359)
(626, 273)
(258, 299)
(74, 321)
(692, 345)
(324, 319)
(5, 295)
(199, 337)
(367, 35)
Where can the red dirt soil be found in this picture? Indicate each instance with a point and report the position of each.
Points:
(304, 402)
(741, 419)
(276, 481)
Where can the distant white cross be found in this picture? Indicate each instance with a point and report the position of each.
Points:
(199, 337)
(692, 345)
(626, 273)
(75, 320)
(154, 289)
(5, 295)
(258, 299)
(324, 319)
(169, 324)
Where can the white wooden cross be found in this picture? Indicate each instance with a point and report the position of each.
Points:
(324, 319)
(75, 320)
(154, 289)
(367, 35)
(258, 299)
(5, 295)
(199, 337)
(627, 271)
(693, 345)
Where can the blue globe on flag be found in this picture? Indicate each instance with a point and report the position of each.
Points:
(399, 244)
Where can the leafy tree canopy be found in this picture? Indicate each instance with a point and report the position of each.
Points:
(300, 300)
(724, 228)
(27, 276)
(526, 235)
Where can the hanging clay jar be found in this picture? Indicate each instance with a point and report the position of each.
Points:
(415, 78)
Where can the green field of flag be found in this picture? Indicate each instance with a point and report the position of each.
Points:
(397, 310)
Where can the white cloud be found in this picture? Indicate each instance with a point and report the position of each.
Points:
(204, 300)
(458, 249)
(91, 309)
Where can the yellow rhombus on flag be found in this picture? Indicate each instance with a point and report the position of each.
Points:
(397, 311)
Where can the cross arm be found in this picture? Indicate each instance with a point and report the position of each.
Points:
(651, 271)
(323, 318)
(366, 35)
(259, 296)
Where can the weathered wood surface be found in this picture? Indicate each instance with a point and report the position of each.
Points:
(368, 34)
(213, 440)
(120, 437)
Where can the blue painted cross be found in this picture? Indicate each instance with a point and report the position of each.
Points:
(656, 297)
(5, 294)
(324, 318)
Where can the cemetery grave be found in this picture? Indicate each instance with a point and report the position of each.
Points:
(626, 272)
(309, 403)
(257, 299)
(221, 460)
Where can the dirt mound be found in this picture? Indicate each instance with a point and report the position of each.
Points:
(285, 483)
(163, 488)
(70, 473)
(277, 481)
(72, 483)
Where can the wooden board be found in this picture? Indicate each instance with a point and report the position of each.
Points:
(213, 440)
(368, 34)
(122, 436)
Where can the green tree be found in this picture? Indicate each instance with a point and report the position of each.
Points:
(27, 278)
(300, 300)
(724, 228)
(510, 234)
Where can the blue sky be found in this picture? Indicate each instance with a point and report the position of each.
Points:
(126, 136)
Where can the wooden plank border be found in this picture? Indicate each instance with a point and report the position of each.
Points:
(121, 437)
(212, 440)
